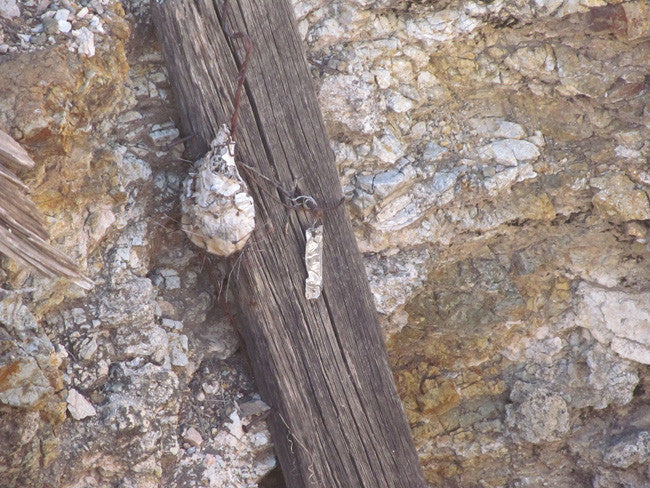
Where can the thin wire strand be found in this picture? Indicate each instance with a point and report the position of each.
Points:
(241, 77)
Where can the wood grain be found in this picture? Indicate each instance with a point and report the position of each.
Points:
(22, 226)
(321, 365)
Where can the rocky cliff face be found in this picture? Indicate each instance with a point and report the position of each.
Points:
(495, 160)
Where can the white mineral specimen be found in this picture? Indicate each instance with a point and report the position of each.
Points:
(218, 211)
(61, 16)
(9, 9)
(78, 406)
(86, 41)
(509, 151)
(617, 319)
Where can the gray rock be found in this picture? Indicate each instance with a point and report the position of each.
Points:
(252, 408)
(617, 319)
(388, 148)
(86, 348)
(147, 341)
(539, 416)
(178, 349)
(9, 9)
(509, 151)
(632, 448)
(27, 357)
(171, 279)
(50, 25)
(353, 103)
(433, 151)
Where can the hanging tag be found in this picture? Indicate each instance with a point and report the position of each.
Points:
(314, 262)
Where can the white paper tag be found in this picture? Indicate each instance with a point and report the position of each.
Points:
(314, 262)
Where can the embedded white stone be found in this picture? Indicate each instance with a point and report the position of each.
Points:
(509, 151)
(388, 148)
(86, 41)
(9, 9)
(618, 320)
(61, 17)
(509, 130)
(78, 406)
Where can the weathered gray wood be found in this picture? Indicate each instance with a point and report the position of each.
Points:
(321, 365)
(22, 226)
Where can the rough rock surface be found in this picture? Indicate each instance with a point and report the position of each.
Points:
(495, 160)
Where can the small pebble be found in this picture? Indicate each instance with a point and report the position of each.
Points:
(193, 437)
(78, 406)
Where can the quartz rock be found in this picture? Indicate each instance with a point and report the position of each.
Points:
(351, 104)
(27, 357)
(535, 61)
(509, 130)
(25, 383)
(388, 148)
(497, 128)
(86, 41)
(502, 282)
(163, 134)
(433, 151)
(385, 183)
(78, 406)
(510, 151)
(619, 200)
(617, 319)
(61, 16)
(9, 9)
(581, 75)
(398, 102)
(393, 279)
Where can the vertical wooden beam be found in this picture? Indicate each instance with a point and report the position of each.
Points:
(321, 364)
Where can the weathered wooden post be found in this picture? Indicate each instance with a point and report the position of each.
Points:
(320, 364)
